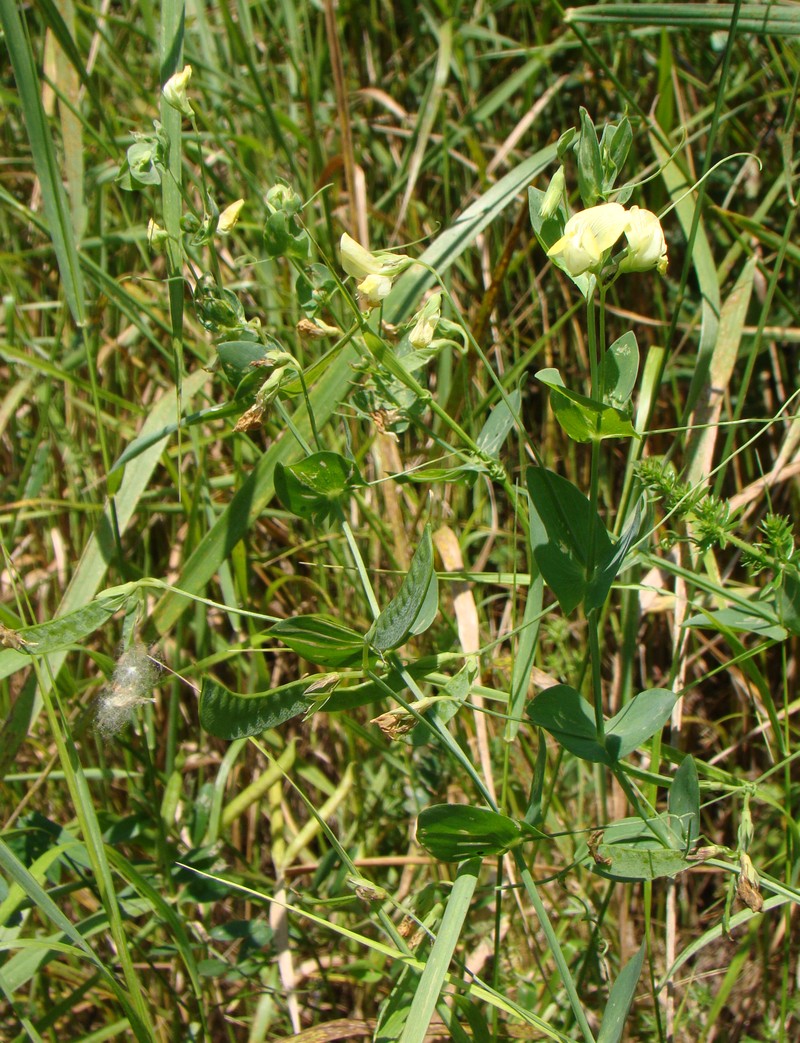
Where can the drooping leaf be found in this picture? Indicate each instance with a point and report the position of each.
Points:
(413, 608)
(582, 418)
(69, 629)
(320, 639)
(620, 999)
(455, 832)
(316, 487)
(631, 850)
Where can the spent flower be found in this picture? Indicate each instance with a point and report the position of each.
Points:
(427, 318)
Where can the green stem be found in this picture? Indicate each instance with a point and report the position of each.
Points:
(554, 947)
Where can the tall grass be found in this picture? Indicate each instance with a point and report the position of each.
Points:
(379, 828)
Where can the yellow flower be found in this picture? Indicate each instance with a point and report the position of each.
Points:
(587, 236)
(229, 216)
(554, 194)
(646, 246)
(174, 91)
(375, 270)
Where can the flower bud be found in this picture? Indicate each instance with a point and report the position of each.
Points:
(554, 194)
(174, 91)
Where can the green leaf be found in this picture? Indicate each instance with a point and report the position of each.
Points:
(620, 369)
(620, 999)
(590, 166)
(464, 473)
(582, 418)
(499, 424)
(43, 153)
(684, 801)
(638, 721)
(762, 621)
(320, 639)
(630, 850)
(787, 602)
(412, 610)
(608, 566)
(455, 832)
(315, 488)
(565, 714)
(69, 629)
(562, 521)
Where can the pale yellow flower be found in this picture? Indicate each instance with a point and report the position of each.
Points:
(646, 245)
(375, 270)
(587, 236)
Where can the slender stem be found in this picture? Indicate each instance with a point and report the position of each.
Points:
(554, 947)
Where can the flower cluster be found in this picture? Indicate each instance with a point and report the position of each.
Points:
(589, 234)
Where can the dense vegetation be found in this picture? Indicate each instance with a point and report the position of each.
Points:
(399, 589)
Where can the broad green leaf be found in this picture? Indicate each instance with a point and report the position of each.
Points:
(762, 622)
(620, 369)
(563, 524)
(620, 999)
(566, 715)
(455, 832)
(608, 567)
(499, 424)
(684, 801)
(412, 610)
(316, 487)
(638, 721)
(548, 231)
(320, 639)
(630, 850)
(584, 419)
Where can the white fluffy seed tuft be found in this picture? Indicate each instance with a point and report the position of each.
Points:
(134, 678)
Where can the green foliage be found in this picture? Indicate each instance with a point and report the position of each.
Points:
(445, 585)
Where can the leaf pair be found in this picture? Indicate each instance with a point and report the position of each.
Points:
(571, 545)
